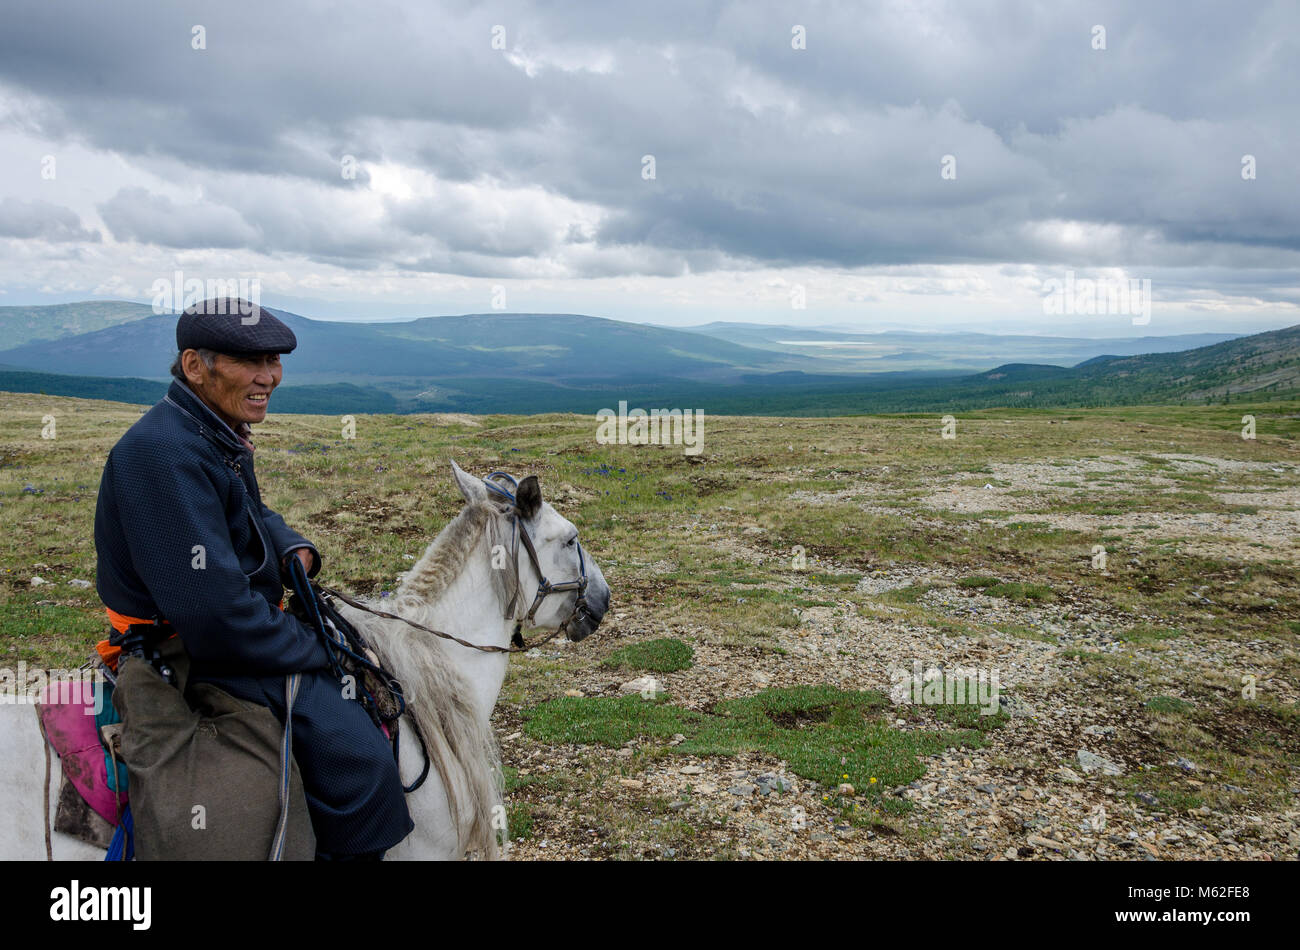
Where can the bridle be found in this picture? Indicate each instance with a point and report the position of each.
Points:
(517, 644)
(544, 587)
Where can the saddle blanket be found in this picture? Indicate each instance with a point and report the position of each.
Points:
(72, 727)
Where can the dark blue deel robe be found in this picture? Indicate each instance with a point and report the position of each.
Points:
(182, 534)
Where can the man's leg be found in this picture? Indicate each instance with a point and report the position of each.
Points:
(353, 789)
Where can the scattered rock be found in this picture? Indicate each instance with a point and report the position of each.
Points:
(1097, 819)
(1016, 707)
(1091, 762)
(768, 784)
(647, 686)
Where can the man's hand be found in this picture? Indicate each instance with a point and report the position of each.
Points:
(304, 555)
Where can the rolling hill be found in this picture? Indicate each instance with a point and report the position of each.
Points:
(530, 363)
(146, 392)
(563, 347)
(1262, 367)
(20, 325)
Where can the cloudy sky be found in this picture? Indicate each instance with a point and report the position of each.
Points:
(909, 164)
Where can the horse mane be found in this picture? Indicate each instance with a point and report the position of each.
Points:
(462, 749)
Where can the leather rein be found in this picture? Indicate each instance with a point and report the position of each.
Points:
(544, 587)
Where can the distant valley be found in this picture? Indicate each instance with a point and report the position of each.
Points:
(534, 363)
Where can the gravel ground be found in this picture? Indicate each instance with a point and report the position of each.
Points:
(1034, 791)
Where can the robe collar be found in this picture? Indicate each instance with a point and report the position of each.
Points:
(189, 400)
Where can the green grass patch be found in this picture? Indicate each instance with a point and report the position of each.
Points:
(1016, 591)
(905, 595)
(1145, 632)
(1021, 593)
(665, 655)
(1025, 632)
(609, 721)
(1168, 705)
(519, 821)
(824, 734)
(50, 633)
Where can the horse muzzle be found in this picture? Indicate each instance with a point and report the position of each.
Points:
(586, 618)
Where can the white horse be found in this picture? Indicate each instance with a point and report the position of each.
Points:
(475, 580)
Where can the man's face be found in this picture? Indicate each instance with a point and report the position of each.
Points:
(237, 388)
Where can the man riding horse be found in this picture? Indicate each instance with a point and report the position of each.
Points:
(184, 540)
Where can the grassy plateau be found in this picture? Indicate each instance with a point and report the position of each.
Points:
(1128, 573)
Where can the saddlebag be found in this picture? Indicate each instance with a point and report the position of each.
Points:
(204, 768)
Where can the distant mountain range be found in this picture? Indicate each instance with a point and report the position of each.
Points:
(513, 345)
(528, 363)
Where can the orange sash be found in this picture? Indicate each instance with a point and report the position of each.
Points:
(110, 653)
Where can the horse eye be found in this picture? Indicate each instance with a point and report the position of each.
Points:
(571, 542)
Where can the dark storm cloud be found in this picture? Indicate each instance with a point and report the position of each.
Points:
(764, 155)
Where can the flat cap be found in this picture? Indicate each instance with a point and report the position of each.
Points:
(230, 325)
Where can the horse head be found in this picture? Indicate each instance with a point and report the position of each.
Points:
(555, 581)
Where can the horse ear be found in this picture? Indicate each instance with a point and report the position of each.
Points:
(471, 488)
(528, 497)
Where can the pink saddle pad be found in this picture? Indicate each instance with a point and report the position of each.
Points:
(67, 711)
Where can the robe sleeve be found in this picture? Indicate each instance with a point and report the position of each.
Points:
(286, 540)
(172, 515)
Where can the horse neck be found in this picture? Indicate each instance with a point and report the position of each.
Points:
(470, 608)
